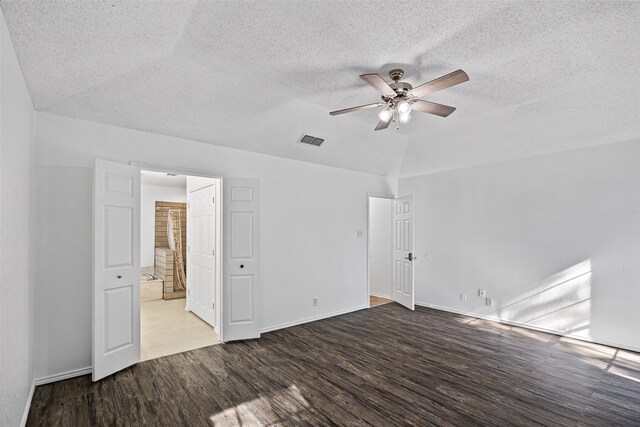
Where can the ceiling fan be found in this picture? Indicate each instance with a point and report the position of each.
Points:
(400, 98)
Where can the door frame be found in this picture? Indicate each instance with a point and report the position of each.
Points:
(377, 196)
(158, 167)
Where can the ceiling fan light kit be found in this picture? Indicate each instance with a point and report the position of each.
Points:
(404, 107)
(404, 117)
(400, 98)
(385, 115)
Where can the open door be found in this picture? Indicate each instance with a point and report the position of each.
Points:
(116, 267)
(241, 252)
(403, 286)
(201, 261)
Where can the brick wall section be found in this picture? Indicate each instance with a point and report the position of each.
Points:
(164, 268)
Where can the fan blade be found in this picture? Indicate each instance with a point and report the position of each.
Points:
(383, 125)
(432, 108)
(440, 83)
(358, 108)
(378, 83)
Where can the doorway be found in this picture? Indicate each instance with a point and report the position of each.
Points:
(116, 291)
(380, 251)
(391, 256)
(179, 243)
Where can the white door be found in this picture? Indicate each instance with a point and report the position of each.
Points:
(241, 252)
(116, 267)
(403, 286)
(201, 261)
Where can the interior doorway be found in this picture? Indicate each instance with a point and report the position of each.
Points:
(391, 256)
(116, 293)
(179, 265)
(380, 249)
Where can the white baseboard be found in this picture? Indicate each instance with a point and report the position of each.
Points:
(27, 406)
(63, 376)
(528, 326)
(312, 319)
(84, 371)
(373, 294)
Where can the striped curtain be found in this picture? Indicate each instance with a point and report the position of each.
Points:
(174, 232)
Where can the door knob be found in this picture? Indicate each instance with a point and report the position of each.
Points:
(119, 276)
(410, 257)
(241, 265)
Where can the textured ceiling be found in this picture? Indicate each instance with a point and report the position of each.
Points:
(545, 76)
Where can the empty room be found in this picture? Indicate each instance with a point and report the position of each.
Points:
(256, 213)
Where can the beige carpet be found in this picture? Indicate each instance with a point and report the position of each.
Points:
(166, 328)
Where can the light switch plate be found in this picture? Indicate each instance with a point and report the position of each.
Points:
(482, 292)
(359, 233)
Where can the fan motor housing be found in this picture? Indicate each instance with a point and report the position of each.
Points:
(396, 74)
(400, 88)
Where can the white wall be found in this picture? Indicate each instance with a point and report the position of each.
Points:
(309, 217)
(149, 195)
(555, 240)
(16, 226)
(380, 247)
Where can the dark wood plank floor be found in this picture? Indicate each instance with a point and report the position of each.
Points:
(384, 366)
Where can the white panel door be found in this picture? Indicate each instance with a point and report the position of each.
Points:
(116, 267)
(241, 270)
(201, 261)
(403, 286)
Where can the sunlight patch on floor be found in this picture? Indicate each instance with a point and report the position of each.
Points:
(540, 336)
(274, 408)
(626, 365)
(588, 348)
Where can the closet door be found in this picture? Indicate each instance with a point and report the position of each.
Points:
(116, 267)
(241, 240)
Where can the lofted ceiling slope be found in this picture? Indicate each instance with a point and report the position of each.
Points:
(545, 76)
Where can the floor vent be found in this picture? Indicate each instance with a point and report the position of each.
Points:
(311, 140)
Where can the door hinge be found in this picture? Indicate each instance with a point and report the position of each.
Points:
(213, 252)
(213, 305)
(213, 199)
(188, 291)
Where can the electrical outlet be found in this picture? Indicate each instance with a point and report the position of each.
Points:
(482, 292)
(315, 302)
(489, 301)
(463, 297)
(359, 233)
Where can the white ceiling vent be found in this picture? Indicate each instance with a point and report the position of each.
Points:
(310, 140)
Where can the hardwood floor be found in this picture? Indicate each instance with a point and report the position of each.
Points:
(375, 301)
(383, 366)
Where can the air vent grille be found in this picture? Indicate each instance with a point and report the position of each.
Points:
(311, 140)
